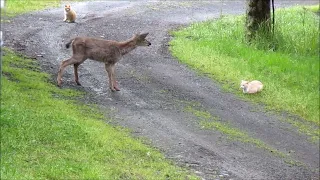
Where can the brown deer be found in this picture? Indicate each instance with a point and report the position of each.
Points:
(106, 51)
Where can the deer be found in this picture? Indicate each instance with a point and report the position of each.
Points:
(107, 51)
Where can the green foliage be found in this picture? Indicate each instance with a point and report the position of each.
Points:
(47, 134)
(315, 8)
(296, 33)
(16, 7)
(287, 64)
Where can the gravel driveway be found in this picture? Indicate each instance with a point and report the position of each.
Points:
(156, 88)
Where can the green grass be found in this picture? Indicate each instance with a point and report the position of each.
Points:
(315, 8)
(290, 74)
(16, 7)
(47, 134)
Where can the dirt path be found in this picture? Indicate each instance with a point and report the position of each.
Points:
(155, 88)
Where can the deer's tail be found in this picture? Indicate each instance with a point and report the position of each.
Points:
(69, 43)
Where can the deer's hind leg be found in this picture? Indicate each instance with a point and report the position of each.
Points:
(76, 77)
(73, 60)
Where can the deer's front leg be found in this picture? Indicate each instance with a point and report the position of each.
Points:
(109, 71)
(115, 83)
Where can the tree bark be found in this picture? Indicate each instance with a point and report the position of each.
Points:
(258, 18)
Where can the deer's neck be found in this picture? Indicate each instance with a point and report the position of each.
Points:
(127, 46)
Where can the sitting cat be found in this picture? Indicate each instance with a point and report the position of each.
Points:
(251, 87)
(69, 14)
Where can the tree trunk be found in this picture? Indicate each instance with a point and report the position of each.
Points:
(258, 18)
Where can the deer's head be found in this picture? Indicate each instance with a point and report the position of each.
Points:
(141, 39)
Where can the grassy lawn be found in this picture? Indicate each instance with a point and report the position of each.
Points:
(16, 7)
(290, 73)
(47, 134)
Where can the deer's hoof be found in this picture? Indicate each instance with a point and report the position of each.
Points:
(59, 84)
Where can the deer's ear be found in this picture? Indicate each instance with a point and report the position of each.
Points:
(144, 35)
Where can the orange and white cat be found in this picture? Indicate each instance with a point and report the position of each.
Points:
(251, 87)
(69, 14)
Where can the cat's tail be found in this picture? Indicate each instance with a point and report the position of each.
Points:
(69, 43)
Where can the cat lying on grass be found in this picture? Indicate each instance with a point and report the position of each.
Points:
(251, 87)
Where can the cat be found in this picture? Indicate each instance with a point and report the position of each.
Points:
(251, 87)
(69, 14)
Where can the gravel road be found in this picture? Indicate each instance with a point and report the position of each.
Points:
(156, 88)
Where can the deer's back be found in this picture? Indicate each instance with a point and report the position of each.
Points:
(98, 49)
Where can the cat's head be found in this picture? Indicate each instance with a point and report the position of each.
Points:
(243, 84)
(67, 7)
